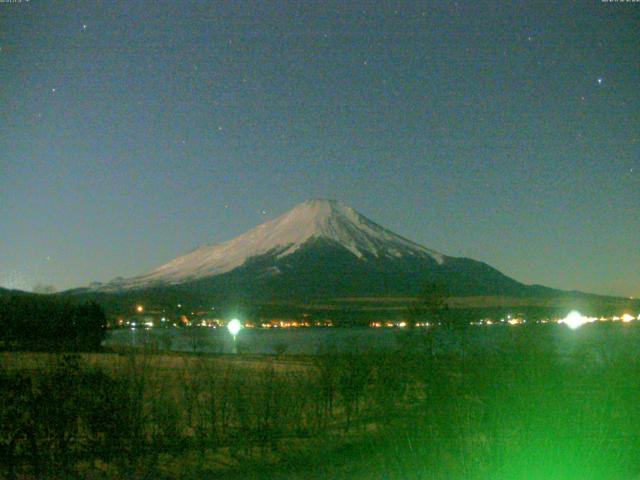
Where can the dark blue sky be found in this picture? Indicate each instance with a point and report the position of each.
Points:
(133, 131)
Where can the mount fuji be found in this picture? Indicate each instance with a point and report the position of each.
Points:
(320, 248)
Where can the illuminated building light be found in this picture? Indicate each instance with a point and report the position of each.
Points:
(626, 318)
(422, 324)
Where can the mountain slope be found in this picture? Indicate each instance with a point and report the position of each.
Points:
(279, 238)
(319, 249)
(325, 269)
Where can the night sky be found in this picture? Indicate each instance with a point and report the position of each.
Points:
(133, 131)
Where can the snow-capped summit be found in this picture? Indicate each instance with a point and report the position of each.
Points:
(326, 220)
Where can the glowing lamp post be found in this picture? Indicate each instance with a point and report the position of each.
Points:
(234, 326)
(574, 320)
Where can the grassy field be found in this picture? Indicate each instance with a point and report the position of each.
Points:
(521, 412)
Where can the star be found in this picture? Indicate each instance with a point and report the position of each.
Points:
(600, 80)
(84, 26)
(53, 90)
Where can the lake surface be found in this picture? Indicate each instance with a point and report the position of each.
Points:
(597, 340)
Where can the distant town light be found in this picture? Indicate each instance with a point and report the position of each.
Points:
(139, 309)
(626, 318)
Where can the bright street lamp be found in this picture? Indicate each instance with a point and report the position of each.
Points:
(234, 326)
(574, 320)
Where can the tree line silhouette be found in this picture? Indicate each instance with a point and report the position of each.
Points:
(44, 323)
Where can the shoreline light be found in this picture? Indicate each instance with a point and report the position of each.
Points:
(626, 318)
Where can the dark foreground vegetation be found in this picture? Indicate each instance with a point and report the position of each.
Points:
(520, 412)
